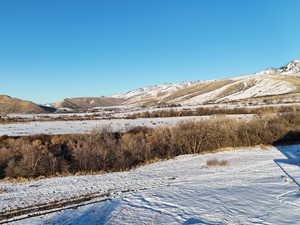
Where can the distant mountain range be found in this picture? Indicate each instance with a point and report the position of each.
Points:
(273, 85)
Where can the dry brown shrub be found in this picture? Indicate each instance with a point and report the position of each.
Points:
(2, 190)
(206, 111)
(216, 162)
(94, 152)
(103, 150)
(33, 160)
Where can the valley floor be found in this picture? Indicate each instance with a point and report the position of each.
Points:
(259, 186)
(86, 126)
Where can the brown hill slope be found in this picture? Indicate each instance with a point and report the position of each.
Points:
(87, 103)
(14, 105)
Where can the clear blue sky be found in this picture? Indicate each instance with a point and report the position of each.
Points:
(54, 49)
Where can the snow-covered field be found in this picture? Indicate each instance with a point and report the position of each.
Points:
(85, 126)
(122, 111)
(259, 186)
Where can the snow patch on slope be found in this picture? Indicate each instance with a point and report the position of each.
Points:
(263, 87)
(206, 97)
(154, 91)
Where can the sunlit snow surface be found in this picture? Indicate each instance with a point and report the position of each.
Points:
(260, 186)
(86, 126)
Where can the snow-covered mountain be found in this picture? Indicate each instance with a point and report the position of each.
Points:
(291, 68)
(266, 85)
(154, 91)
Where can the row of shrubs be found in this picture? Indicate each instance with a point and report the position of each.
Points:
(201, 111)
(206, 111)
(46, 155)
(6, 119)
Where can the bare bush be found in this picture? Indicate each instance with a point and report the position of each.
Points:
(207, 111)
(2, 190)
(216, 162)
(104, 150)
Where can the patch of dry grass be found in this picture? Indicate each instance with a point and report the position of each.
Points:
(294, 80)
(216, 162)
(2, 191)
(236, 87)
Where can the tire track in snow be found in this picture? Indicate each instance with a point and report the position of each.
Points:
(66, 204)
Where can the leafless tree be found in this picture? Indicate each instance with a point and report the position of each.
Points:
(3, 115)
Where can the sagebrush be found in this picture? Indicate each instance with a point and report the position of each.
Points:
(50, 155)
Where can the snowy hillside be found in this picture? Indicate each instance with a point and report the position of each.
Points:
(261, 86)
(291, 68)
(258, 186)
(154, 91)
(243, 89)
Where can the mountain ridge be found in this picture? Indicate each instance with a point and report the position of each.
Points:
(268, 82)
(82, 103)
(292, 67)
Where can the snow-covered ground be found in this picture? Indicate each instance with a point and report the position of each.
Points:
(85, 126)
(99, 112)
(50, 115)
(122, 111)
(259, 186)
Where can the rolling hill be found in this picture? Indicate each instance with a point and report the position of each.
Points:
(15, 105)
(88, 102)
